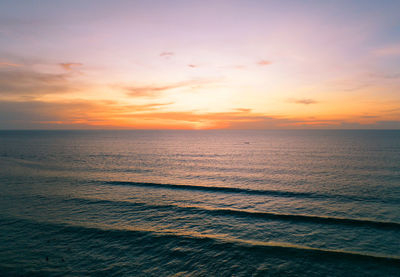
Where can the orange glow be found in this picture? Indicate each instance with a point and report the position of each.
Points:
(313, 71)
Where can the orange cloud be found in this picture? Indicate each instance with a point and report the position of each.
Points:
(242, 119)
(69, 66)
(243, 110)
(104, 114)
(151, 91)
(82, 113)
(9, 64)
(155, 90)
(264, 63)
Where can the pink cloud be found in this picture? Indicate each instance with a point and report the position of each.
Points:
(264, 63)
(167, 54)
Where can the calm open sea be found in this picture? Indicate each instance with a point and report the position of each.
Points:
(200, 203)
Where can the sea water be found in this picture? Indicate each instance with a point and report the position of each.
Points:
(200, 203)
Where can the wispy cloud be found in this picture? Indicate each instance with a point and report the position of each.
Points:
(24, 82)
(31, 83)
(167, 54)
(70, 66)
(110, 114)
(152, 91)
(243, 110)
(156, 90)
(113, 115)
(303, 101)
(68, 114)
(238, 119)
(5, 64)
(264, 62)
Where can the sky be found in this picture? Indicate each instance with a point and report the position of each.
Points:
(237, 64)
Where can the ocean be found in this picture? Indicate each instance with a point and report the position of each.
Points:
(200, 203)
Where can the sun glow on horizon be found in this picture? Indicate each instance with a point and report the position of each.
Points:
(188, 65)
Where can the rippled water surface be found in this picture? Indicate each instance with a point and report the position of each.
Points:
(200, 203)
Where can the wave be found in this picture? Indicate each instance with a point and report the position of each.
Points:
(253, 214)
(174, 237)
(311, 218)
(274, 193)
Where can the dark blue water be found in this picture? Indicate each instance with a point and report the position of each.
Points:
(200, 203)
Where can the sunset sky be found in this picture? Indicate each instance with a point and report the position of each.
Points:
(199, 64)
